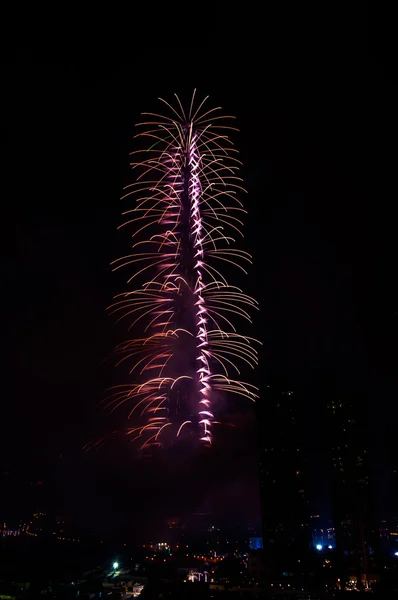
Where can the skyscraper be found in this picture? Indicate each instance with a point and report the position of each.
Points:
(357, 538)
(286, 528)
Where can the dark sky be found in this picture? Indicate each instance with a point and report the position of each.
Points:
(316, 109)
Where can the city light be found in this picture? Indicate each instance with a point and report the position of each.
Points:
(318, 547)
(395, 553)
(115, 565)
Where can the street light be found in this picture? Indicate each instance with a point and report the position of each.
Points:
(115, 565)
(318, 547)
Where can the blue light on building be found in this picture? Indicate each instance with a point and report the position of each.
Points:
(255, 543)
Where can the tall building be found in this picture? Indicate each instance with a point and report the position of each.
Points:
(322, 531)
(357, 537)
(391, 461)
(286, 529)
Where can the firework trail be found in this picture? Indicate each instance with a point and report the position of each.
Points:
(185, 220)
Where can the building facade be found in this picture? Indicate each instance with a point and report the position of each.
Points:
(357, 537)
(285, 507)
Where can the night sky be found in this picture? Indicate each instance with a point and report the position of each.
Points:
(317, 120)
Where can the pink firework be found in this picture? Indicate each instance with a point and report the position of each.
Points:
(181, 309)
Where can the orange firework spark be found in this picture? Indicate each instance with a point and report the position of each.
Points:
(185, 220)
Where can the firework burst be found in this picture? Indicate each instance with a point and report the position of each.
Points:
(180, 308)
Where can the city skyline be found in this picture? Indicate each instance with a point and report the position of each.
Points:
(315, 139)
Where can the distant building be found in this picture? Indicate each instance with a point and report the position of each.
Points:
(255, 566)
(286, 529)
(323, 532)
(255, 543)
(357, 537)
(390, 511)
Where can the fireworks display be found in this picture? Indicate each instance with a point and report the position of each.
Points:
(183, 349)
